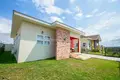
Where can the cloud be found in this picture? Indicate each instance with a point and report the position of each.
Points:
(88, 16)
(72, 1)
(77, 9)
(63, 17)
(47, 6)
(5, 38)
(105, 22)
(55, 18)
(99, 14)
(104, 26)
(68, 11)
(92, 13)
(53, 9)
(5, 25)
(78, 13)
(114, 0)
(5, 28)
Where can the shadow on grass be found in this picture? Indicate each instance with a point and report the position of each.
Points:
(7, 58)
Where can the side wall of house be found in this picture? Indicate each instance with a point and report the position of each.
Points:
(15, 48)
(29, 49)
(86, 41)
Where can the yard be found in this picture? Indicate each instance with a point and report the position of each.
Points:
(109, 54)
(50, 69)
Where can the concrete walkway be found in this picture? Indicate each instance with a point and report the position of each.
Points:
(100, 57)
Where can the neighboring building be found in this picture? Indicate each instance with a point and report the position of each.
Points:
(8, 47)
(94, 42)
(35, 39)
(90, 42)
(6, 40)
(85, 42)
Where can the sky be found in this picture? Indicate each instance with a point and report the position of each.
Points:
(91, 16)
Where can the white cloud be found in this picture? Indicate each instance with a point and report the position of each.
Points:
(5, 25)
(5, 28)
(43, 3)
(94, 11)
(53, 9)
(79, 14)
(68, 11)
(55, 18)
(102, 24)
(47, 6)
(88, 16)
(63, 17)
(99, 14)
(5, 38)
(72, 1)
(114, 0)
(77, 9)
(105, 24)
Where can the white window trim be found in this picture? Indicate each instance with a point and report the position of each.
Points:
(40, 39)
(43, 39)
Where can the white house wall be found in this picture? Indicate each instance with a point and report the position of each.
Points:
(29, 49)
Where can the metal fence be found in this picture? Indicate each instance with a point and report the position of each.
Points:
(2, 47)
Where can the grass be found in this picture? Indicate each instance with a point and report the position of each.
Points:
(96, 53)
(110, 54)
(51, 69)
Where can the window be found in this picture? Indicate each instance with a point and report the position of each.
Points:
(84, 44)
(39, 42)
(39, 39)
(46, 42)
(47, 38)
(43, 39)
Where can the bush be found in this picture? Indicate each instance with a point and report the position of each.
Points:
(84, 50)
(95, 50)
(111, 51)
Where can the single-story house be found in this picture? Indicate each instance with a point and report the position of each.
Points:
(90, 42)
(35, 39)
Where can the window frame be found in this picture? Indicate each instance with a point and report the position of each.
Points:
(44, 39)
(39, 39)
(84, 44)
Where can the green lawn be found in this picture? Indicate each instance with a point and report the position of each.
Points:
(50, 69)
(109, 54)
(96, 53)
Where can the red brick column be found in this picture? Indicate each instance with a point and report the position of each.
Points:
(62, 44)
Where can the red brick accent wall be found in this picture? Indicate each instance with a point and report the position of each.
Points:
(62, 44)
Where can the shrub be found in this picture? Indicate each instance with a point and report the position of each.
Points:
(84, 50)
(95, 50)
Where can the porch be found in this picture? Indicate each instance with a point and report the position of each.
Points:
(74, 44)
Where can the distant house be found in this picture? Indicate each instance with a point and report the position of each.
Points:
(5, 39)
(35, 39)
(91, 42)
